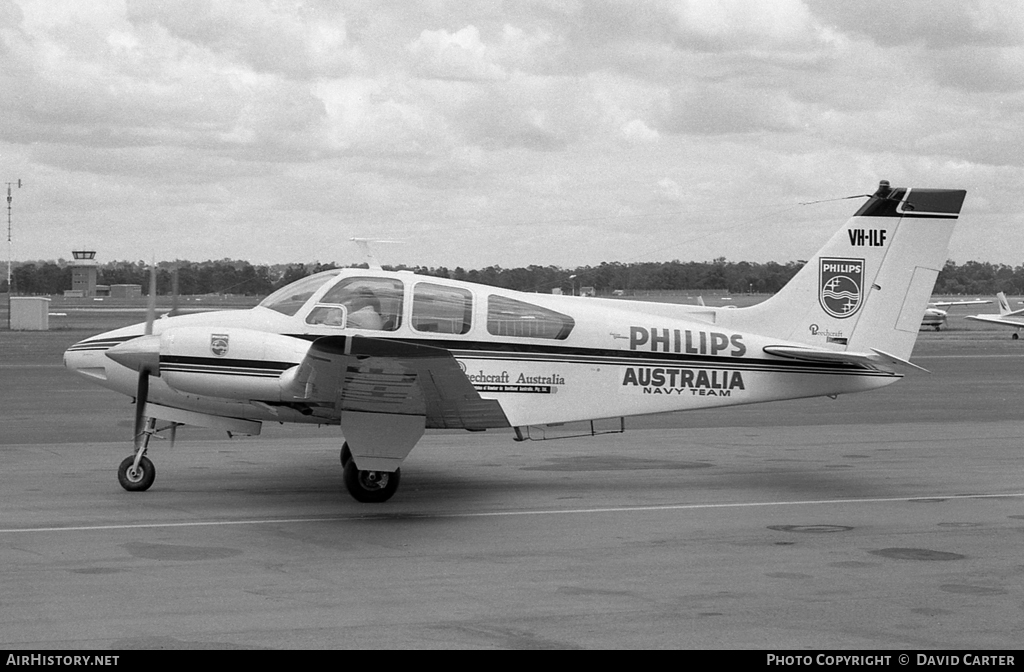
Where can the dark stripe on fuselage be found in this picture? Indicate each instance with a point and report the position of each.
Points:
(250, 367)
(518, 352)
(533, 352)
(100, 343)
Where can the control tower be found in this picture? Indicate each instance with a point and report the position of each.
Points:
(83, 272)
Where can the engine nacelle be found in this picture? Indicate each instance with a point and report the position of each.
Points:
(229, 362)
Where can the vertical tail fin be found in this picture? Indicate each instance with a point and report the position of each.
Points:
(868, 287)
(1004, 305)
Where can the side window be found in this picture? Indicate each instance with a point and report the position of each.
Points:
(509, 317)
(369, 303)
(331, 316)
(440, 309)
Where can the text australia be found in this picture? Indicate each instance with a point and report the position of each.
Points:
(671, 380)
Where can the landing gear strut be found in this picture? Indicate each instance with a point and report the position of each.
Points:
(137, 472)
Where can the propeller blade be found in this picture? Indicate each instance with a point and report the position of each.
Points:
(151, 304)
(140, 408)
(174, 294)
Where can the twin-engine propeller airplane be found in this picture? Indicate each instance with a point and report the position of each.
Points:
(1007, 317)
(388, 355)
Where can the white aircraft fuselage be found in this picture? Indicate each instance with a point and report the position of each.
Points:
(620, 358)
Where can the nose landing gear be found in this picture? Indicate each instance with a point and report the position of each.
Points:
(136, 478)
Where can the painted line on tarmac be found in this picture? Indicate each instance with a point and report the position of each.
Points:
(1014, 355)
(31, 366)
(501, 514)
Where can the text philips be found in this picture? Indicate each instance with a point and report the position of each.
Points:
(840, 268)
(686, 341)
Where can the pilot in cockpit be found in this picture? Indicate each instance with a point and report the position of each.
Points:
(364, 311)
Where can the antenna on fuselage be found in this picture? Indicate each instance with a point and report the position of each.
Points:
(370, 257)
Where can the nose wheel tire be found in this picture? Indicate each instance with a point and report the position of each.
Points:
(371, 487)
(136, 479)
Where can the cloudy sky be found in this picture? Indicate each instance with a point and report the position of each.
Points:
(511, 133)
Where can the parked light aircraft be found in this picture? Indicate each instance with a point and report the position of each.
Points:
(935, 317)
(1007, 317)
(387, 355)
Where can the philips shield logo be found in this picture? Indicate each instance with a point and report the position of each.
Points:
(841, 289)
(219, 344)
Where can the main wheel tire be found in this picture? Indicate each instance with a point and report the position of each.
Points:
(346, 454)
(136, 480)
(1015, 336)
(371, 487)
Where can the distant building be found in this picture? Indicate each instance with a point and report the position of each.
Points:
(125, 291)
(83, 273)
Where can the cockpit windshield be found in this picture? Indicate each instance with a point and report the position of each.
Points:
(290, 298)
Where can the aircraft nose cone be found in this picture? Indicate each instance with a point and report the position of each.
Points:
(72, 357)
(140, 354)
(86, 358)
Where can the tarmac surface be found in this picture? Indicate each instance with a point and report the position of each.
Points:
(887, 520)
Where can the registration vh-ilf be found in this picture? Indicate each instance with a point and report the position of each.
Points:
(388, 355)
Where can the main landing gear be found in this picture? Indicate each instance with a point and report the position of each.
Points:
(370, 487)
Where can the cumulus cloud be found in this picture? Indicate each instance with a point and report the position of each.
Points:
(732, 24)
(459, 56)
(294, 39)
(492, 119)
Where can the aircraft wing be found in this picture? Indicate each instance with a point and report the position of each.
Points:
(384, 376)
(874, 358)
(997, 319)
(972, 302)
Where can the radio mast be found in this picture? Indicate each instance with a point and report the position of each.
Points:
(10, 252)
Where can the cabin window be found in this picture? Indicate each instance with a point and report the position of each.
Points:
(370, 303)
(442, 310)
(290, 298)
(509, 317)
(330, 316)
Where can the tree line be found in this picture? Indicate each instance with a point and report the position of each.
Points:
(240, 277)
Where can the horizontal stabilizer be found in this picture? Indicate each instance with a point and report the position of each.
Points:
(874, 358)
(893, 359)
